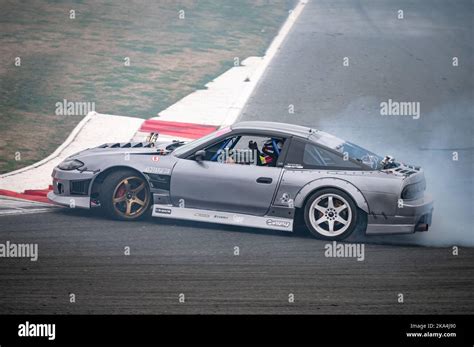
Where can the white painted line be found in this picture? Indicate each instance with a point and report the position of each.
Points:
(12, 201)
(22, 212)
(221, 103)
(12, 206)
(236, 109)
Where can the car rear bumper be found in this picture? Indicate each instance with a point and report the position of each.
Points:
(413, 216)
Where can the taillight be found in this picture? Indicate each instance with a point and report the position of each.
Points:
(413, 191)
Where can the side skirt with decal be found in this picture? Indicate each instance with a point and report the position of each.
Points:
(265, 222)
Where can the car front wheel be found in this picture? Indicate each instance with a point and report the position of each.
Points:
(330, 214)
(125, 195)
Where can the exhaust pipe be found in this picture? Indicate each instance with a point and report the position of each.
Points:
(422, 227)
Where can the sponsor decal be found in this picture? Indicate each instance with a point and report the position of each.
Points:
(287, 200)
(278, 223)
(157, 170)
(203, 215)
(218, 216)
(155, 158)
(162, 210)
(294, 166)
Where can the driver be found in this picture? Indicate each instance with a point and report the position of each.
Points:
(270, 152)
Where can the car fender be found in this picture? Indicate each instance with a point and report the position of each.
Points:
(332, 182)
(106, 171)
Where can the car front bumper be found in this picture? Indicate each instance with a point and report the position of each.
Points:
(70, 201)
(413, 216)
(71, 188)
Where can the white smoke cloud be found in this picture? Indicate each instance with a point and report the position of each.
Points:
(429, 142)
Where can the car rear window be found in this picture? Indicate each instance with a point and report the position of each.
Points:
(312, 156)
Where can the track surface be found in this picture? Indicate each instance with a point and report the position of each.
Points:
(83, 253)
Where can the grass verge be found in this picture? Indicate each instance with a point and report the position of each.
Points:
(83, 60)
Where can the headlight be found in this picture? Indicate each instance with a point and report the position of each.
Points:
(70, 164)
(413, 191)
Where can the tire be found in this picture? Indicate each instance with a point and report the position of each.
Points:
(125, 195)
(330, 208)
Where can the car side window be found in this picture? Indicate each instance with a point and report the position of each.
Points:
(214, 151)
(311, 156)
(246, 150)
(315, 156)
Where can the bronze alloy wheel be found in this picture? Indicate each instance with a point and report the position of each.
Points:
(130, 197)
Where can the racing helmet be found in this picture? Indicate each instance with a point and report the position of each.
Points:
(270, 151)
(272, 147)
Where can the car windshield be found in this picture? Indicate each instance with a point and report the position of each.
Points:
(193, 144)
(360, 154)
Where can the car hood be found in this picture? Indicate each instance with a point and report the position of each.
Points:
(124, 147)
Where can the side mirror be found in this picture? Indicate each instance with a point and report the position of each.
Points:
(200, 155)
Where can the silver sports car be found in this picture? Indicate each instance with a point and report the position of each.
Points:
(254, 174)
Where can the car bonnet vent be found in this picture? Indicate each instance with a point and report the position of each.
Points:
(127, 145)
(143, 144)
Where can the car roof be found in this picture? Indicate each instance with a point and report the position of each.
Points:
(290, 129)
(310, 134)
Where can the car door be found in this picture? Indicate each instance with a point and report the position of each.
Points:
(221, 186)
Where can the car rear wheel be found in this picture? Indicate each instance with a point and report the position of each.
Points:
(125, 195)
(330, 214)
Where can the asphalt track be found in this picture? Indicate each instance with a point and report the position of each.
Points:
(82, 252)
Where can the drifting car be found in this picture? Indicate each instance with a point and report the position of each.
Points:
(254, 174)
